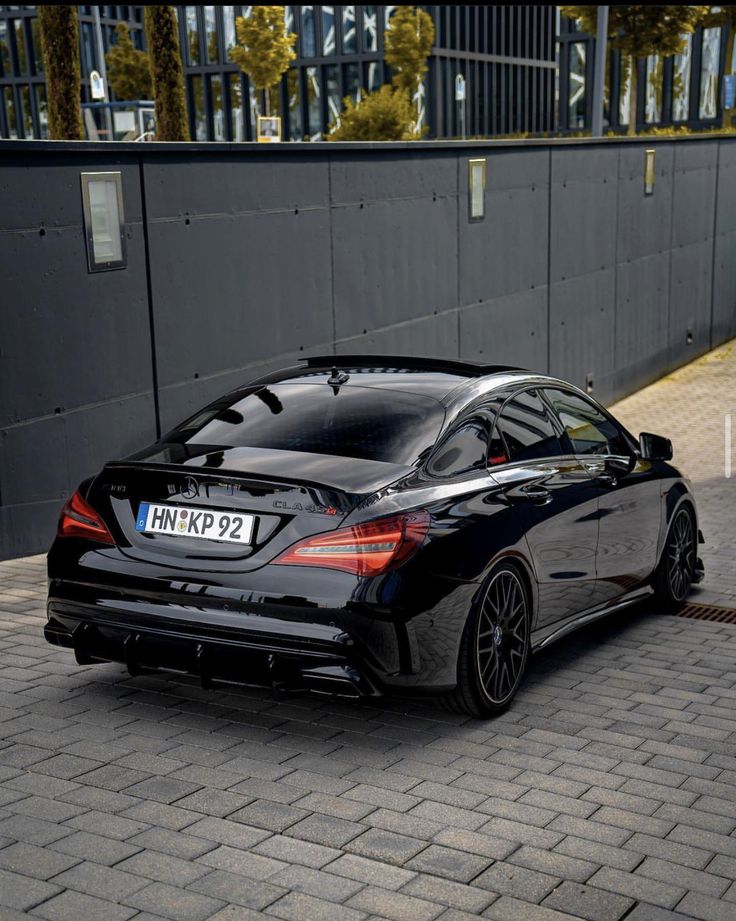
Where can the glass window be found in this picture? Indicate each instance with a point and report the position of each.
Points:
(43, 110)
(296, 130)
(26, 116)
(370, 32)
(192, 34)
(653, 106)
(362, 422)
(681, 82)
(200, 115)
(624, 93)
(328, 30)
(589, 431)
(228, 22)
(218, 109)
(465, 449)
(309, 38)
(210, 29)
(372, 76)
(352, 80)
(37, 52)
(709, 73)
(576, 86)
(236, 107)
(313, 104)
(527, 429)
(20, 45)
(5, 67)
(349, 35)
(88, 48)
(332, 82)
(10, 112)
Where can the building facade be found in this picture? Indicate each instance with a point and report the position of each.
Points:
(526, 69)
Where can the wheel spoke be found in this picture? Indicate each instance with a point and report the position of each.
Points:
(501, 636)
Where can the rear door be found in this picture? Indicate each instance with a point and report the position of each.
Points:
(555, 499)
(628, 491)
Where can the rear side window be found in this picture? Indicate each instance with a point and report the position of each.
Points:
(526, 430)
(363, 422)
(465, 449)
(587, 428)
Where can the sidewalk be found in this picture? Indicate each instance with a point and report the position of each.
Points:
(689, 407)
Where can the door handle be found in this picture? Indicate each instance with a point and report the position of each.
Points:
(606, 478)
(532, 492)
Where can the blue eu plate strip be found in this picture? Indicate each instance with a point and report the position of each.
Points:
(140, 523)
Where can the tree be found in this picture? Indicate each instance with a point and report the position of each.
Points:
(265, 48)
(128, 69)
(60, 48)
(384, 115)
(407, 43)
(166, 68)
(638, 31)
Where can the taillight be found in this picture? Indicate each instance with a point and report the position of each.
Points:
(79, 519)
(364, 549)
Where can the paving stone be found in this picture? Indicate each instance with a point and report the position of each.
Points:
(95, 848)
(394, 905)
(695, 880)
(162, 867)
(94, 879)
(173, 903)
(637, 887)
(447, 892)
(21, 892)
(323, 829)
(588, 902)
(299, 906)
(448, 863)
(177, 844)
(245, 863)
(292, 850)
(508, 879)
(76, 906)
(31, 860)
(367, 870)
(385, 845)
(232, 888)
(323, 885)
(510, 909)
(553, 863)
(266, 814)
(705, 908)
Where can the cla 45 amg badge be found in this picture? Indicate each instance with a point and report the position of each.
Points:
(301, 507)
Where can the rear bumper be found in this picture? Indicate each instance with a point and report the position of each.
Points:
(319, 659)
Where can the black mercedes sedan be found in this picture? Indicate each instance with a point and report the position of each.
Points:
(366, 525)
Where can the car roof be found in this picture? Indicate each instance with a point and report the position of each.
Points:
(445, 379)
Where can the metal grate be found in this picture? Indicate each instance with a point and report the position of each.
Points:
(708, 612)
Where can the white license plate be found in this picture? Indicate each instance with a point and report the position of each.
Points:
(209, 523)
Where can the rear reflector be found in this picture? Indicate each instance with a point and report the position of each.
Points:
(79, 519)
(364, 549)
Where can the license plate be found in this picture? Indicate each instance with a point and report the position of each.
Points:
(209, 523)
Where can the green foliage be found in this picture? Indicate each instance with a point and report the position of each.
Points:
(385, 115)
(265, 48)
(168, 81)
(128, 69)
(407, 42)
(60, 47)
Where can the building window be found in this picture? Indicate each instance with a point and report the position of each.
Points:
(370, 32)
(236, 108)
(190, 20)
(624, 94)
(218, 109)
(709, 73)
(228, 23)
(576, 86)
(294, 100)
(200, 115)
(20, 45)
(681, 82)
(328, 30)
(349, 35)
(26, 116)
(5, 68)
(352, 81)
(43, 110)
(88, 48)
(10, 112)
(332, 84)
(37, 53)
(313, 105)
(210, 30)
(372, 76)
(653, 97)
(309, 38)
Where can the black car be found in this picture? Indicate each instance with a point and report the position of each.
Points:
(365, 525)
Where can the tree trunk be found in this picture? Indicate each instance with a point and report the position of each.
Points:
(60, 44)
(728, 114)
(633, 76)
(168, 78)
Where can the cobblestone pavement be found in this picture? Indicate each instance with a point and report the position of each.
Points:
(607, 791)
(690, 406)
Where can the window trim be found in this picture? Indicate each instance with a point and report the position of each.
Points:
(556, 423)
(623, 431)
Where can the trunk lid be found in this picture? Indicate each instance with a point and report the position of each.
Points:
(290, 494)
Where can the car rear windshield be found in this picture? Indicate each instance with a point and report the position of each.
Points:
(362, 422)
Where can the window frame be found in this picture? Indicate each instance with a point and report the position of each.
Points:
(554, 419)
(627, 437)
(476, 412)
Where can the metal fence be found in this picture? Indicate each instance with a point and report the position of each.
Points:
(240, 259)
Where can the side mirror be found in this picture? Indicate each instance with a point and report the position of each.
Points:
(655, 447)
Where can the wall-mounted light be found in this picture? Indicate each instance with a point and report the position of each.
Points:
(104, 221)
(649, 171)
(477, 189)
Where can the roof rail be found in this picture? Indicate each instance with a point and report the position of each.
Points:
(406, 362)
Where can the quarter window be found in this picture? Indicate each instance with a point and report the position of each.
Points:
(526, 428)
(587, 428)
(465, 449)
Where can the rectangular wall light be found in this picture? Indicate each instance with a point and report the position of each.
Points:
(477, 189)
(649, 171)
(104, 221)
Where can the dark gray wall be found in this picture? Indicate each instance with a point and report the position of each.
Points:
(257, 257)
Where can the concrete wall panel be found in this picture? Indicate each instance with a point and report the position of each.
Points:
(507, 330)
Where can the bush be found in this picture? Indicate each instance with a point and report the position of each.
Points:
(128, 69)
(385, 115)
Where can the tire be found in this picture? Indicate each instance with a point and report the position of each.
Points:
(494, 649)
(676, 570)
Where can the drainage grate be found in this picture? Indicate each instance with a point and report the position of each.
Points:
(708, 612)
